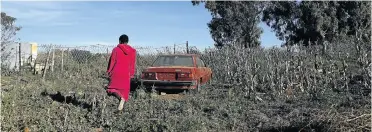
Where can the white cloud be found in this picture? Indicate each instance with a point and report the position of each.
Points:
(33, 4)
(39, 13)
(35, 14)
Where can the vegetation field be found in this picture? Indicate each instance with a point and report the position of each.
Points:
(270, 90)
(322, 85)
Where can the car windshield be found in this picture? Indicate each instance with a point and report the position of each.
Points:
(174, 61)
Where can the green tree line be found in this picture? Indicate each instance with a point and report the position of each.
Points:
(304, 23)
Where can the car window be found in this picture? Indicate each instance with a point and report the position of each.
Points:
(199, 62)
(174, 61)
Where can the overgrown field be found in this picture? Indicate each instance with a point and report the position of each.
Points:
(269, 90)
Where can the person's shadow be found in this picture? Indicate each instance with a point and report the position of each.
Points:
(67, 99)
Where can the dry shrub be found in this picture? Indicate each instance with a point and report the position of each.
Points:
(251, 90)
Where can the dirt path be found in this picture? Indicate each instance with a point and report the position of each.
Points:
(171, 96)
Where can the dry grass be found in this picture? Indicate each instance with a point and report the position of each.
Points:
(270, 90)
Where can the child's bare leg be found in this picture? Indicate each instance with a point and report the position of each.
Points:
(121, 104)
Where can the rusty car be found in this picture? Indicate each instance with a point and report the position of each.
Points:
(185, 72)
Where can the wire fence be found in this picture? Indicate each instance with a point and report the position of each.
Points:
(316, 78)
(98, 48)
(92, 60)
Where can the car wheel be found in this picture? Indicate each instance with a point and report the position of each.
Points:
(158, 92)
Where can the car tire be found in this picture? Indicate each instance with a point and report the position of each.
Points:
(158, 92)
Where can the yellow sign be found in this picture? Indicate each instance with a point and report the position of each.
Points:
(33, 48)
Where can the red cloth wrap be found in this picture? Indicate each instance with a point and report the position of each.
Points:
(121, 67)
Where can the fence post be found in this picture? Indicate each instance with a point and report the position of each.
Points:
(108, 55)
(187, 47)
(62, 60)
(174, 49)
(53, 50)
(67, 56)
(20, 57)
(46, 63)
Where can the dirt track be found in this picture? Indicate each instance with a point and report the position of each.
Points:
(171, 96)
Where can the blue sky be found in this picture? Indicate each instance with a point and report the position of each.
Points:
(156, 24)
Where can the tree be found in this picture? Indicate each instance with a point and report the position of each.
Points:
(8, 33)
(314, 22)
(234, 22)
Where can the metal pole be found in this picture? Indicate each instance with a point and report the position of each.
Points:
(187, 47)
(174, 49)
